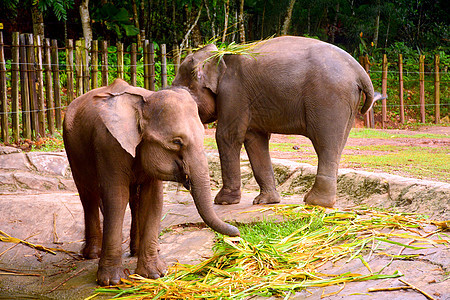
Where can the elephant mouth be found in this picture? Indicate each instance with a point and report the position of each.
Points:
(182, 177)
(187, 183)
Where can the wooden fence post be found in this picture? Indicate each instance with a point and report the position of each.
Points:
(437, 90)
(384, 90)
(69, 70)
(79, 67)
(146, 65)
(94, 64)
(85, 60)
(25, 91)
(40, 86)
(400, 88)
(177, 58)
(56, 84)
(152, 67)
(104, 63)
(370, 112)
(3, 94)
(32, 84)
(133, 60)
(422, 87)
(119, 60)
(163, 66)
(15, 86)
(49, 88)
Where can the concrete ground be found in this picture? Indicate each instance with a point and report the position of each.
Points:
(38, 203)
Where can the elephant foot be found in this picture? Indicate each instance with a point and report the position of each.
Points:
(153, 267)
(323, 192)
(267, 198)
(227, 196)
(92, 249)
(110, 275)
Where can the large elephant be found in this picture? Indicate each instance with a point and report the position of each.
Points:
(290, 85)
(121, 141)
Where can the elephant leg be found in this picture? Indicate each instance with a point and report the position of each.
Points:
(93, 233)
(257, 147)
(229, 141)
(329, 146)
(149, 262)
(134, 231)
(114, 199)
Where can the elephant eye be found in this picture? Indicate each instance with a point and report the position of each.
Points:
(178, 142)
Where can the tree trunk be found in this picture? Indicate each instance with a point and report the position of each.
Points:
(334, 28)
(225, 27)
(38, 21)
(86, 22)
(241, 22)
(287, 20)
(136, 22)
(211, 20)
(377, 26)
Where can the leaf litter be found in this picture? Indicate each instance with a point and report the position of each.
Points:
(281, 263)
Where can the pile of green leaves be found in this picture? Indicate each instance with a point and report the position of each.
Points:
(281, 258)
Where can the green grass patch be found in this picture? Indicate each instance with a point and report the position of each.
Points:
(419, 162)
(281, 258)
(368, 133)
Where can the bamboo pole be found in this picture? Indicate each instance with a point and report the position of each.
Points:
(3, 94)
(79, 68)
(437, 91)
(370, 112)
(152, 67)
(56, 84)
(146, 65)
(104, 63)
(119, 60)
(69, 70)
(177, 58)
(32, 84)
(163, 66)
(49, 88)
(133, 60)
(40, 86)
(15, 86)
(384, 90)
(400, 88)
(85, 60)
(94, 64)
(25, 88)
(422, 87)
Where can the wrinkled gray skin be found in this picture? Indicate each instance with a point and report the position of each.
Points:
(294, 85)
(121, 141)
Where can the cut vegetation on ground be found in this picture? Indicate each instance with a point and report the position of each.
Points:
(280, 258)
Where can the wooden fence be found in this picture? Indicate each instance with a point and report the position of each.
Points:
(398, 81)
(41, 86)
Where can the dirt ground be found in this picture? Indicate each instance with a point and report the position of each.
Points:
(303, 155)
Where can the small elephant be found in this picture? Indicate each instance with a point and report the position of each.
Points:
(121, 142)
(291, 85)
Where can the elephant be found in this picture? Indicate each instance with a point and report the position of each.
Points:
(121, 143)
(288, 85)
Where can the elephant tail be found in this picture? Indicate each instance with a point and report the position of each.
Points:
(365, 84)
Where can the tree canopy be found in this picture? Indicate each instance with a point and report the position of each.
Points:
(358, 26)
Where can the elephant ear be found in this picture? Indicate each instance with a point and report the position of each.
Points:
(120, 112)
(209, 68)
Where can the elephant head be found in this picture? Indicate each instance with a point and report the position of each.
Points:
(201, 72)
(163, 132)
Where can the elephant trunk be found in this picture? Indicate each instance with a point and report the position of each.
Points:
(201, 192)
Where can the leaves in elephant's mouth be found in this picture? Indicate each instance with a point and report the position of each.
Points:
(279, 258)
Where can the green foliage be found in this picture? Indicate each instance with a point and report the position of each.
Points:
(58, 7)
(115, 19)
